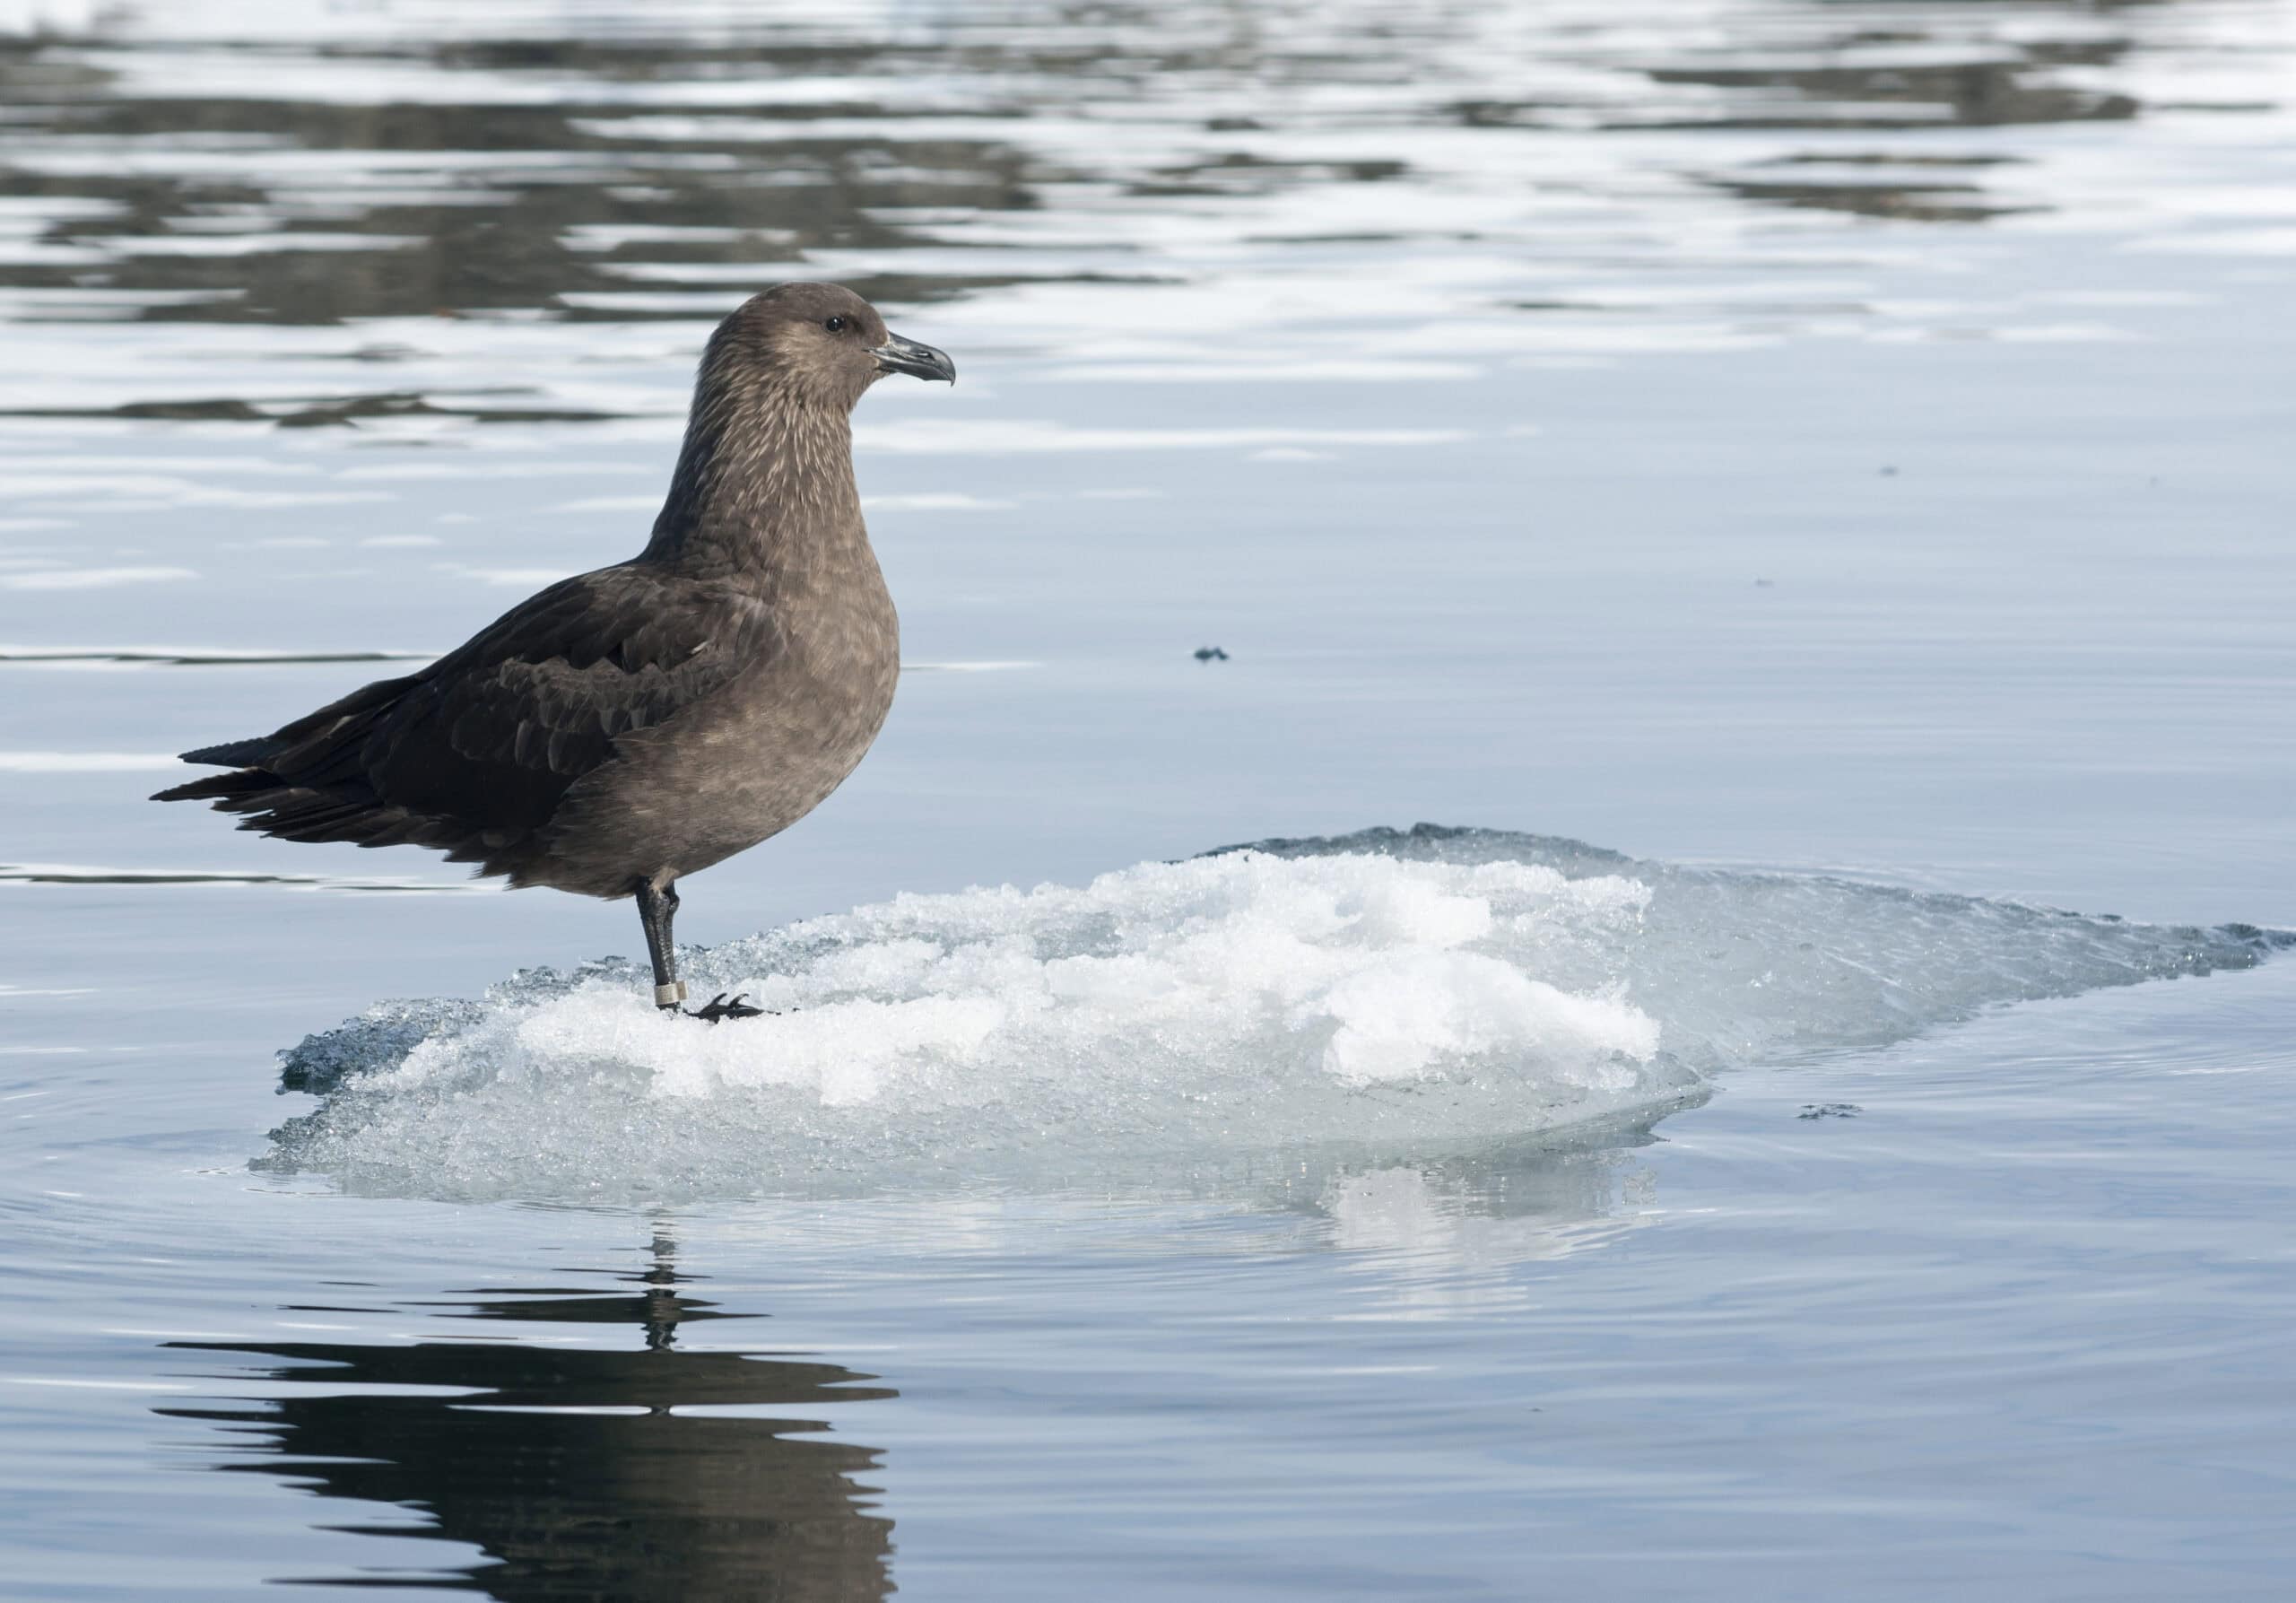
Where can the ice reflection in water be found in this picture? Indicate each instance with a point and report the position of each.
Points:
(629, 1441)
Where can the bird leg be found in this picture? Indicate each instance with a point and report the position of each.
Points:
(656, 906)
(656, 909)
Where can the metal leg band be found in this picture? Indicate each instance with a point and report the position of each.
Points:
(670, 995)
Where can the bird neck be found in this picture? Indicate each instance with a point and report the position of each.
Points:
(763, 485)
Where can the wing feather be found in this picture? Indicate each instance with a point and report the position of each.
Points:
(498, 731)
(477, 749)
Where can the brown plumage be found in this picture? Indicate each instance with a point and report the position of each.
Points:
(627, 727)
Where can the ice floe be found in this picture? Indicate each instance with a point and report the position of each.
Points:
(1386, 989)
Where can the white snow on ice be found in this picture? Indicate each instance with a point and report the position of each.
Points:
(1439, 987)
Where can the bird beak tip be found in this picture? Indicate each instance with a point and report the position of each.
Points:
(899, 355)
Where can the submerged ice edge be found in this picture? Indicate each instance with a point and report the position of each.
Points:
(1400, 990)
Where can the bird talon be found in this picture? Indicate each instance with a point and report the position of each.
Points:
(720, 1008)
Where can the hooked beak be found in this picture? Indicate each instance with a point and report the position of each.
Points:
(899, 355)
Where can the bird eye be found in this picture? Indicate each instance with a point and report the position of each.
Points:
(835, 325)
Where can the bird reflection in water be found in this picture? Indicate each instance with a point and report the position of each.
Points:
(580, 1470)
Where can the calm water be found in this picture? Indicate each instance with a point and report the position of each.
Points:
(1835, 454)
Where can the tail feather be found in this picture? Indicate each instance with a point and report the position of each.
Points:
(225, 788)
(317, 753)
(287, 811)
(307, 782)
(305, 816)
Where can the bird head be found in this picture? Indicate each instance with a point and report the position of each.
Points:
(823, 342)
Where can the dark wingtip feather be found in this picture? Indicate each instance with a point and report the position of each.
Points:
(235, 753)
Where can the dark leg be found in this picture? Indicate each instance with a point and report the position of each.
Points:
(656, 909)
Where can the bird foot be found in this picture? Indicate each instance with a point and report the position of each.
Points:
(719, 1007)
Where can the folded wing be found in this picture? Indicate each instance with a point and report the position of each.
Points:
(473, 754)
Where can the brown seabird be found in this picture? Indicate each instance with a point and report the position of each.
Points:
(628, 727)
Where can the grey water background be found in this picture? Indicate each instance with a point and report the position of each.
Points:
(1843, 439)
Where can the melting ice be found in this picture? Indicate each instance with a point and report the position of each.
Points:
(1380, 988)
